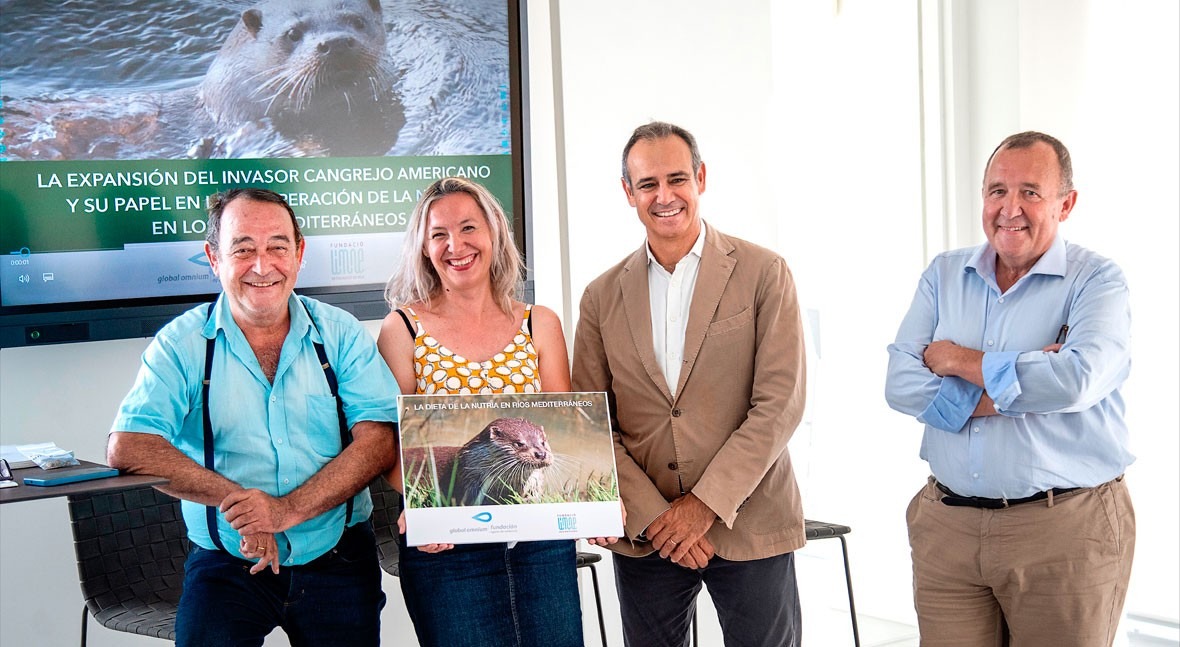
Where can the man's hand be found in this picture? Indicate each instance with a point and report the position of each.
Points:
(253, 512)
(698, 555)
(262, 547)
(676, 532)
(941, 357)
(948, 359)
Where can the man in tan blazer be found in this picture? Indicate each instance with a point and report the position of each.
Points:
(697, 340)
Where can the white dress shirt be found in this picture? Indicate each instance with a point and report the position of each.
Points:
(671, 298)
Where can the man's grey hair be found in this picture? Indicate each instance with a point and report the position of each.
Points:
(659, 130)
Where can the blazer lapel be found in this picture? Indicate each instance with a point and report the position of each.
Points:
(637, 306)
(716, 268)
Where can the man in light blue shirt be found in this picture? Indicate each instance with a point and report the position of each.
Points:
(1012, 354)
(269, 413)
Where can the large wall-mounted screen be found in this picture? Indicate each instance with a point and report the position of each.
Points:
(119, 120)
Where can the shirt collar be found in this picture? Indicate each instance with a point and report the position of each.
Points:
(698, 248)
(1052, 262)
(223, 319)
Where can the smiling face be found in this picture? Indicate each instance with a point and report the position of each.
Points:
(1023, 204)
(666, 194)
(257, 261)
(459, 241)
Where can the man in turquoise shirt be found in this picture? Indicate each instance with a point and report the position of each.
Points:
(272, 457)
(1012, 354)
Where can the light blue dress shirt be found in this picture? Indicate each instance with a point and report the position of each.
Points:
(269, 437)
(1061, 422)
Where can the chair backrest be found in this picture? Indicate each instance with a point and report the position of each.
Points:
(386, 508)
(131, 547)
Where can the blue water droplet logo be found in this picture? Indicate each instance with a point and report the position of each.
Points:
(199, 259)
(483, 517)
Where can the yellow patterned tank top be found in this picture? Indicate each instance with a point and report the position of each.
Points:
(512, 370)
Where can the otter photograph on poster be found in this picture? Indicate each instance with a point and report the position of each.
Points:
(508, 467)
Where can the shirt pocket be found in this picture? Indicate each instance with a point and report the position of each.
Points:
(730, 324)
(322, 425)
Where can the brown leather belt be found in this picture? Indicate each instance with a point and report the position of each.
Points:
(995, 504)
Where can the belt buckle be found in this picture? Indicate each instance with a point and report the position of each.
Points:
(989, 504)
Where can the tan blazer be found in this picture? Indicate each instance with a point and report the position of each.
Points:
(741, 395)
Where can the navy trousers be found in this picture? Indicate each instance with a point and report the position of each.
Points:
(757, 601)
(334, 600)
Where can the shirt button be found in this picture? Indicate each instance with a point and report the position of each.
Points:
(273, 399)
(286, 481)
(1001, 299)
(975, 475)
(676, 413)
(991, 342)
(672, 466)
(973, 429)
(280, 441)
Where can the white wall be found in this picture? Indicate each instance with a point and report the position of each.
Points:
(695, 63)
(807, 119)
(848, 197)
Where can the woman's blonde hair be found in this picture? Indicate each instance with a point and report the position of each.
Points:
(415, 278)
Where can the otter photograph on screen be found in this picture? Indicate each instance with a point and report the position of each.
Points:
(315, 70)
(265, 79)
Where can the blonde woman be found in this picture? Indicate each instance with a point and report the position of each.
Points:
(454, 292)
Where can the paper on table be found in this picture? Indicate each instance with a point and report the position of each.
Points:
(18, 455)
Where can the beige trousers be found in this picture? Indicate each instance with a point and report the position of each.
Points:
(1038, 574)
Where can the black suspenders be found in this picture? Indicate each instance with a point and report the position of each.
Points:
(333, 386)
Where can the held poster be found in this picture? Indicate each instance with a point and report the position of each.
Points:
(508, 467)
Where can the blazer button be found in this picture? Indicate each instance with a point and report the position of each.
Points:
(676, 413)
(672, 466)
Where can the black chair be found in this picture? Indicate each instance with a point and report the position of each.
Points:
(588, 560)
(131, 547)
(821, 530)
(387, 507)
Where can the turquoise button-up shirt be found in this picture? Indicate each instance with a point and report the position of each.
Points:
(272, 437)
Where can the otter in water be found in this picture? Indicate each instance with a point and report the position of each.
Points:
(503, 463)
(294, 78)
(314, 70)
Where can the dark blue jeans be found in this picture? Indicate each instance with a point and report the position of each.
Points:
(334, 600)
(757, 601)
(489, 595)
